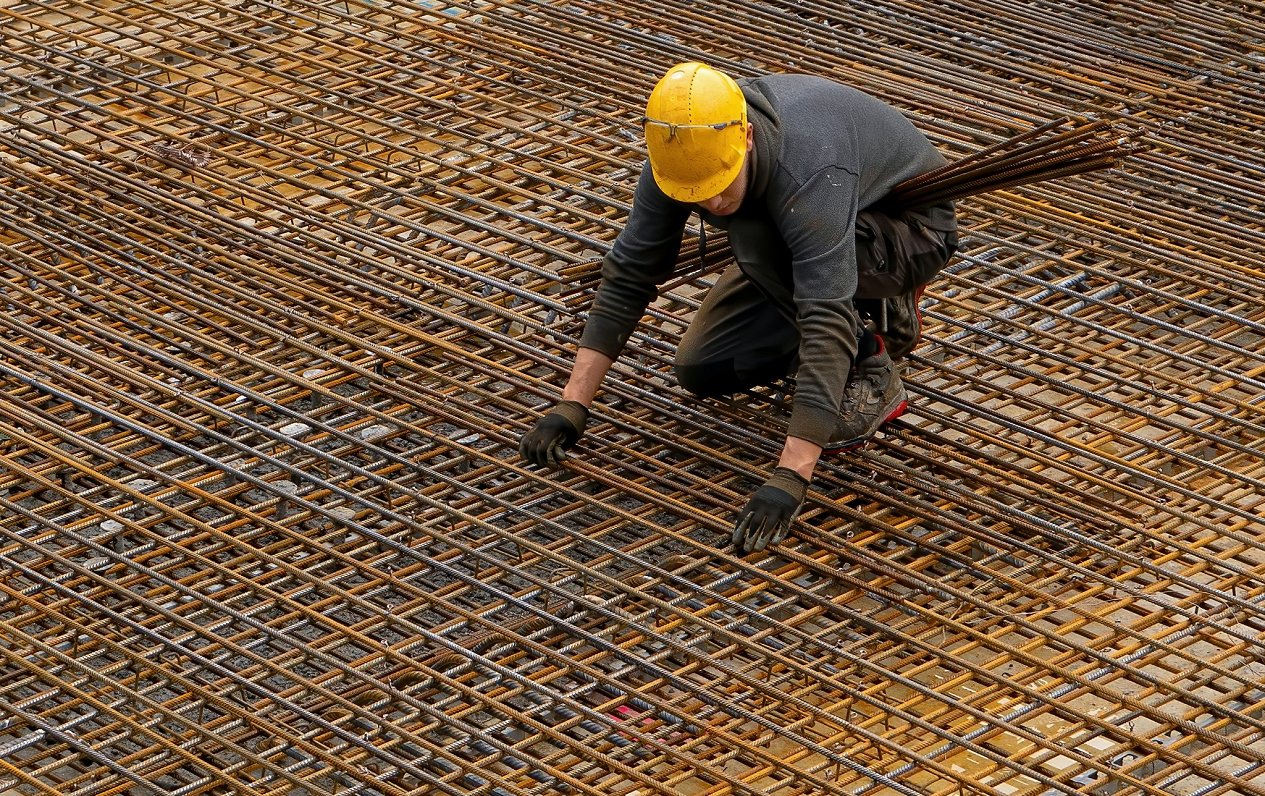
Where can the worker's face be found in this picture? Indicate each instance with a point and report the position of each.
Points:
(730, 199)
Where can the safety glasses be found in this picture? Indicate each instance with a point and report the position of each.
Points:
(672, 128)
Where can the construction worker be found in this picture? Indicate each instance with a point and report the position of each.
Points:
(825, 283)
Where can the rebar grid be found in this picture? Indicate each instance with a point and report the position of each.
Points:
(285, 281)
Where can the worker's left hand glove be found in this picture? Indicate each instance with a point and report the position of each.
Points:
(768, 514)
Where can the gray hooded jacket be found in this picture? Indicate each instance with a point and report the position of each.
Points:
(823, 152)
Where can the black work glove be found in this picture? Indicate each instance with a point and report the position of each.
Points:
(768, 514)
(546, 443)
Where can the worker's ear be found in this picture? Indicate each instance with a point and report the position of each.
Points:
(750, 136)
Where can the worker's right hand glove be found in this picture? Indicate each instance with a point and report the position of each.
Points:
(767, 516)
(546, 444)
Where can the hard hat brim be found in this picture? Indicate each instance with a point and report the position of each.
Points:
(707, 176)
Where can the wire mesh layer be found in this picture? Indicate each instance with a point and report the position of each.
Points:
(284, 282)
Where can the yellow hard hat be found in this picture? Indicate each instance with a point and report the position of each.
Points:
(696, 132)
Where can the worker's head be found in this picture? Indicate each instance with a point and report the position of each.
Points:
(698, 137)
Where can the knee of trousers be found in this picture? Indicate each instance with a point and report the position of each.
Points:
(706, 380)
(720, 378)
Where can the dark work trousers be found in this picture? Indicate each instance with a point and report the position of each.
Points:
(745, 334)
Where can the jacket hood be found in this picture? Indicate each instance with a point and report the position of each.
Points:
(768, 134)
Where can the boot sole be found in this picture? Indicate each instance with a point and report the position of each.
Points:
(848, 445)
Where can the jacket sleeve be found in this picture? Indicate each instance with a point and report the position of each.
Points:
(642, 258)
(818, 223)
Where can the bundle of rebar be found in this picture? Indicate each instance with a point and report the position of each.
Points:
(1057, 149)
(282, 282)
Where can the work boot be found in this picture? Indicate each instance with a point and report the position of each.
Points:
(874, 395)
(902, 326)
